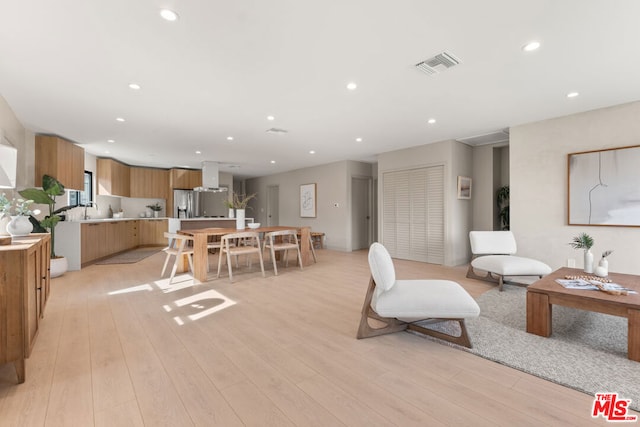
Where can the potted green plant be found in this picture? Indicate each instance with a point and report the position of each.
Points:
(502, 199)
(156, 208)
(585, 242)
(51, 188)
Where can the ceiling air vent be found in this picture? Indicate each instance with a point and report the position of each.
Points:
(277, 131)
(440, 62)
(488, 138)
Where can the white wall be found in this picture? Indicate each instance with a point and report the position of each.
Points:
(333, 187)
(539, 193)
(456, 159)
(24, 141)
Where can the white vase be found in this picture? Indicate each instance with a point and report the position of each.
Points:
(240, 219)
(4, 221)
(19, 226)
(230, 212)
(155, 214)
(588, 261)
(602, 269)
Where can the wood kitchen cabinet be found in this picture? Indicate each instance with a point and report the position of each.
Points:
(149, 183)
(113, 178)
(185, 178)
(92, 245)
(24, 285)
(61, 159)
(152, 231)
(103, 239)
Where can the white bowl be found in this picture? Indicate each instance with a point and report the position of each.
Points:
(254, 225)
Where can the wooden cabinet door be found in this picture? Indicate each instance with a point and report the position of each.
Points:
(32, 296)
(93, 236)
(152, 231)
(186, 179)
(149, 183)
(61, 159)
(113, 178)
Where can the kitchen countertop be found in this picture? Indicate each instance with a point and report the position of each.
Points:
(92, 220)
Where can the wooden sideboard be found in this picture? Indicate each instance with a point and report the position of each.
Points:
(24, 290)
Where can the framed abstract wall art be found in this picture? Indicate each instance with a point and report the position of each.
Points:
(604, 187)
(308, 200)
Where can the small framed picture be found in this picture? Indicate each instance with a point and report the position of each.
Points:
(464, 187)
(308, 200)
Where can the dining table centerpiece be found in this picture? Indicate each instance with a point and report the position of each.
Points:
(240, 204)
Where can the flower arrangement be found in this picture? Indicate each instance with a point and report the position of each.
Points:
(155, 207)
(241, 201)
(582, 241)
(5, 206)
(22, 207)
(13, 207)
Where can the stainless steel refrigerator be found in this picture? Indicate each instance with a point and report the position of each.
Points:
(183, 204)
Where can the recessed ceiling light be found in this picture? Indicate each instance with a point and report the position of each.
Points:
(271, 118)
(431, 121)
(312, 152)
(107, 151)
(198, 152)
(229, 138)
(531, 46)
(111, 140)
(169, 15)
(572, 94)
(120, 119)
(352, 86)
(358, 139)
(134, 86)
(272, 162)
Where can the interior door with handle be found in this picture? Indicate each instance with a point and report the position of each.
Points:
(273, 194)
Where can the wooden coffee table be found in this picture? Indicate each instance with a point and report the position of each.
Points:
(543, 294)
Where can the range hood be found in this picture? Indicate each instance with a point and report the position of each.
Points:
(210, 177)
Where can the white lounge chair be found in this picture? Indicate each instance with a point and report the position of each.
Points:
(493, 252)
(401, 303)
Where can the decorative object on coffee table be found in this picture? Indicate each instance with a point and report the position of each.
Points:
(585, 242)
(602, 270)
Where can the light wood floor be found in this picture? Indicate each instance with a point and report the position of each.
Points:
(119, 347)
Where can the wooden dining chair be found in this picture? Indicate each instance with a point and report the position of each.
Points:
(251, 245)
(177, 247)
(282, 240)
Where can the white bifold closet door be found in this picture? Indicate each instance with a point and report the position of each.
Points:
(413, 214)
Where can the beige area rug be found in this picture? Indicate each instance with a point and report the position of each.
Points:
(587, 351)
(130, 257)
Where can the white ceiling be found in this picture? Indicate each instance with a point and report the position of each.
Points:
(224, 66)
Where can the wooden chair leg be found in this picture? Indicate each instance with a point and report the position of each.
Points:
(462, 340)
(365, 330)
(489, 277)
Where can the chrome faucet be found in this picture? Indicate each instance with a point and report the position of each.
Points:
(86, 205)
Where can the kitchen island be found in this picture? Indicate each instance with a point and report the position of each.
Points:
(87, 241)
(176, 224)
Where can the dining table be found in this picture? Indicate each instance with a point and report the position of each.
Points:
(201, 238)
